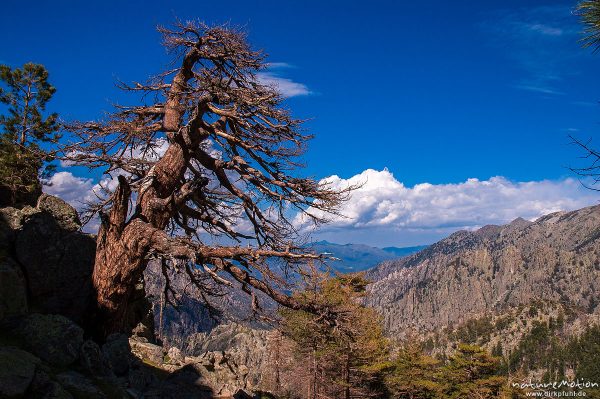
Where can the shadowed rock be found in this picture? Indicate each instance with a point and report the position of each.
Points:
(53, 338)
(17, 369)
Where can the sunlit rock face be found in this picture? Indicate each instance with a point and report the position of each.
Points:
(553, 261)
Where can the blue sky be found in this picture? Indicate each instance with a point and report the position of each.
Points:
(436, 92)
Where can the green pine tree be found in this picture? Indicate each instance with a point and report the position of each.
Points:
(24, 129)
(412, 374)
(589, 11)
(343, 344)
(472, 373)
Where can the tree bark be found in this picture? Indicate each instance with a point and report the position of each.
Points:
(122, 249)
(121, 257)
(119, 262)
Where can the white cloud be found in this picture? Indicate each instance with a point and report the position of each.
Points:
(287, 87)
(545, 29)
(79, 191)
(279, 65)
(75, 190)
(385, 204)
(386, 212)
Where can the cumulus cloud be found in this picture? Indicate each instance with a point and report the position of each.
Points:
(385, 203)
(75, 190)
(78, 191)
(383, 211)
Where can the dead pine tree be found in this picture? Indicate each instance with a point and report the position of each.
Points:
(210, 151)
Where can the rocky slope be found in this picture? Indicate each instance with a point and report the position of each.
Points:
(47, 346)
(45, 262)
(177, 326)
(552, 263)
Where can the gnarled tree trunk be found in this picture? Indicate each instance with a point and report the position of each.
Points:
(231, 148)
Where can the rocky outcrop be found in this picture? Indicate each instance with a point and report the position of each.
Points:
(50, 355)
(45, 291)
(13, 289)
(43, 253)
(48, 358)
(230, 359)
(53, 338)
(17, 370)
(246, 348)
(491, 271)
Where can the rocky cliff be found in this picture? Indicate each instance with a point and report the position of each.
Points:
(47, 346)
(45, 262)
(552, 263)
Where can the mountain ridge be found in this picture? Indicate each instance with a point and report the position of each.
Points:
(360, 257)
(553, 262)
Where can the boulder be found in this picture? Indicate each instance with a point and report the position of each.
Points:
(79, 385)
(147, 352)
(13, 289)
(140, 379)
(187, 382)
(93, 361)
(43, 387)
(10, 220)
(117, 352)
(65, 215)
(58, 261)
(17, 370)
(53, 338)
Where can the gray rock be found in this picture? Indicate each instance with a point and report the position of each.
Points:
(13, 289)
(93, 361)
(147, 352)
(58, 263)
(43, 387)
(57, 259)
(54, 338)
(11, 217)
(174, 356)
(235, 355)
(56, 391)
(65, 215)
(118, 353)
(17, 370)
(79, 385)
(10, 220)
(140, 379)
(187, 382)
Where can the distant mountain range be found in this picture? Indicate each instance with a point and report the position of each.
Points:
(360, 257)
(502, 287)
(524, 291)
